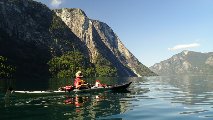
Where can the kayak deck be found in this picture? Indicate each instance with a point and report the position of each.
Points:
(92, 89)
(38, 92)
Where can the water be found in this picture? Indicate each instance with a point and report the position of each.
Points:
(151, 98)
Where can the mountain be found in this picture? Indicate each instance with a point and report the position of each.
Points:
(101, 40)
(31, 35)
(186, 62)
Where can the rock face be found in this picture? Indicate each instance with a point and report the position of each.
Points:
(31, 34)
(101, 40)
(186, 62)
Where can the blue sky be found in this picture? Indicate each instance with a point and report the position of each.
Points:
(153, 30)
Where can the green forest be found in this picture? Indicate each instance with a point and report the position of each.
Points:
(66, 65)
(69, 63)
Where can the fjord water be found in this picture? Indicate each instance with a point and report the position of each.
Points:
(150, 98)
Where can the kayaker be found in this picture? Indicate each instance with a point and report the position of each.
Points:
(79, 83)
(98, 84)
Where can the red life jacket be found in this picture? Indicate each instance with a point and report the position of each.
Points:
(77, 80)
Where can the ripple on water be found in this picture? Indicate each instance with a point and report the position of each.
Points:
(193, 112)
(159, 98)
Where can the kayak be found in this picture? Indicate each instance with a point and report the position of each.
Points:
(69, 89)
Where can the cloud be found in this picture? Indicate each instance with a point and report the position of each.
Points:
(56, 3)
(184, 46)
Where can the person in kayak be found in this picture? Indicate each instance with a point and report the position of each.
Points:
(98, 84)
(79, 83)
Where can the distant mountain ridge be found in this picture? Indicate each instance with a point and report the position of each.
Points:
(186, 62)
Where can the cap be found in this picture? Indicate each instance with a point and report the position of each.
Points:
(79, 74)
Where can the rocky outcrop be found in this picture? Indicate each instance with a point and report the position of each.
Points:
(209, 60)
(186, 62)
(100, 39)
(31, 34)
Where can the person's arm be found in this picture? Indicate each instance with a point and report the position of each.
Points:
(78, 84)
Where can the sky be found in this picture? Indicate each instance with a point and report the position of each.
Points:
(153, 30)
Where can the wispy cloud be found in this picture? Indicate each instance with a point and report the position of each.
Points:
(56, 3)
(184, 46)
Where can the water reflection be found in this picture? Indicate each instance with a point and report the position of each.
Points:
(78, 101)
(7, 97)
(191, 94)
(189, 89)
(97, 105)
(72, 106)
(161, 97)
(23, 84)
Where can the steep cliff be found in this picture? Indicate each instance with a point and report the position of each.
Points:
(30, 35)
(101, 40)
(186, 62)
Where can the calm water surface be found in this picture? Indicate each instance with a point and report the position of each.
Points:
(151, 98)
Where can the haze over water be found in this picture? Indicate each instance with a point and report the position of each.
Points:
(151, 98)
